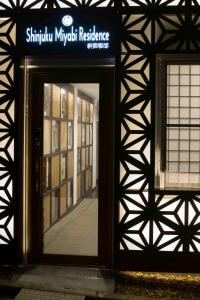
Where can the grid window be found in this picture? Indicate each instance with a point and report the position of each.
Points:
(178, 124)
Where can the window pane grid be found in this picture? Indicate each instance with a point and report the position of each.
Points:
(183, 126)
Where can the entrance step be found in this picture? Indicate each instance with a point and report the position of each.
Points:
(30, 294)
(82, 279)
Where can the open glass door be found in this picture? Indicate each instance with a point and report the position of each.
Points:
(72, 159)
(70, 168)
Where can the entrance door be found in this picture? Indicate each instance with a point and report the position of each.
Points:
(71, 151)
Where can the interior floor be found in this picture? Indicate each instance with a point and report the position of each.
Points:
(76, 233)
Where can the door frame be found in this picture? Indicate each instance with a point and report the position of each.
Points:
(105, 77)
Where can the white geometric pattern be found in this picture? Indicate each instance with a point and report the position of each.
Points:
(135, 123)
(12, 4)
(180, 226)
(168, 222)
(158, 2)
(7, 120)
(44, 4)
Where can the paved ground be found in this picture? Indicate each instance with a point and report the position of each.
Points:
(173, 286)
(61, 283)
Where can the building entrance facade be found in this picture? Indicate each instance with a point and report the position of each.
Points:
(152, 216)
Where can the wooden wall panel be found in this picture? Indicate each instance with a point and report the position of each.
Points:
(56, 101)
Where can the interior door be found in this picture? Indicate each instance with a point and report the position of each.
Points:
(72, 165)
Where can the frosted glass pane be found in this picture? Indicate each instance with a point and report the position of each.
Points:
(195, 145)
(173, 69)
(195, 69)
(173, 101)
(194, 156)
(173, 113)
(184, 80)
(184, 91)
(195, 113)
(174, 121)
(172, 145)
(173, 91)
(195, 80)
(184, 134)
(184, 145)
(173, 167)
(184, 167)
(172, 178)
(184, 69)
(184, 112)
(184, 121)
(184, 101)
(184, 156)
(194, 134)
(195, 91)
(194, 167)
(194, 179)
(173, 133)
(195, 102)
(195, 121)
(174, 80)
(173, 155)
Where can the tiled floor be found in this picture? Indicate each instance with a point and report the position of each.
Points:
(76, 233)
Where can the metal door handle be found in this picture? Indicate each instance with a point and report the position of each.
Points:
(39, 176)
(37, 136)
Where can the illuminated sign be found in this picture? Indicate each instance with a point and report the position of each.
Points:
(61, 35)
(67, 33)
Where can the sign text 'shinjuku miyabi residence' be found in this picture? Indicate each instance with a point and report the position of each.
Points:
(66, 33)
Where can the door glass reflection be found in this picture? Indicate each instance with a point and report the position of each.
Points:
(70, 169)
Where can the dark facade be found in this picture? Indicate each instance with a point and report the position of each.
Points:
(154, 228)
